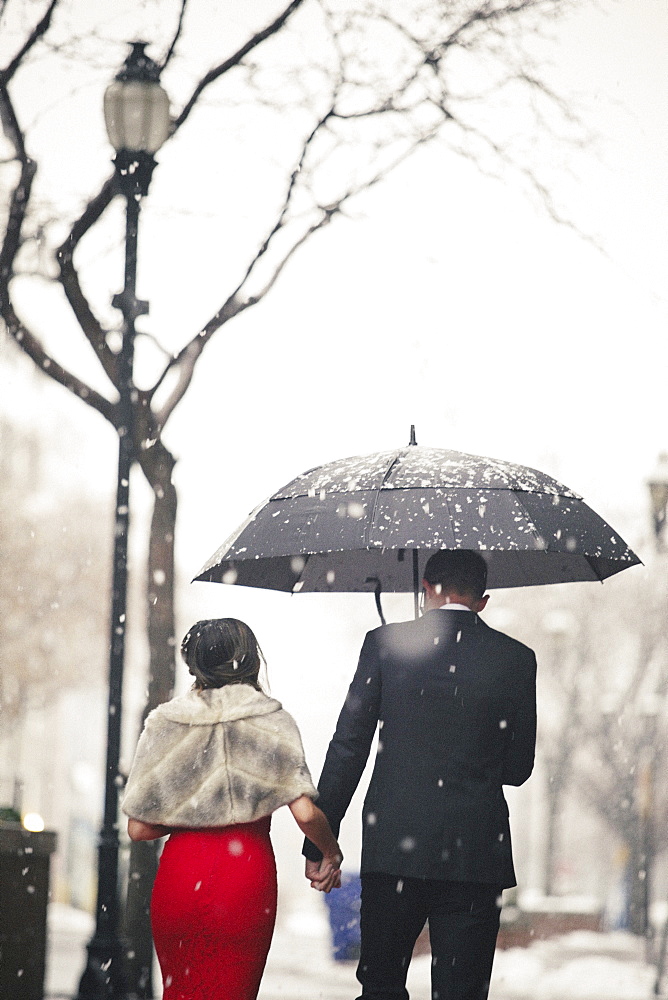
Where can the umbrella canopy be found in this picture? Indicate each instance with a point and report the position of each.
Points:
(370, 523)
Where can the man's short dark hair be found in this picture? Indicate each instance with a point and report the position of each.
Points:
(463, 571)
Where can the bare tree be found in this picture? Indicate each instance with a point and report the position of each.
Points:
(560, 730)
(357, 89)
(603, 715)
(620, 765)
(603, 687)
(562, 624)
(53, 563)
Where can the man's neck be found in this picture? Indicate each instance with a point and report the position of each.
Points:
(448, 600)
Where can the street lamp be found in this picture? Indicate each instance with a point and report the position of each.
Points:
(657, 483)
(648, 713)
(658, 495)
(558, 624)
(136, 111)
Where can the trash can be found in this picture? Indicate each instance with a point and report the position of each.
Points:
(344, 918)
(24, 894)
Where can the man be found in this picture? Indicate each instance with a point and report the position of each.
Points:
(455, 702)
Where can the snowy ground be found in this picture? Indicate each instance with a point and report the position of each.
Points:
(578, 966)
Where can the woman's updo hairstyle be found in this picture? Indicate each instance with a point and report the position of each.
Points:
(222, 651)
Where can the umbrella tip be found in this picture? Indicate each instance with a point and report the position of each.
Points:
(412, 440)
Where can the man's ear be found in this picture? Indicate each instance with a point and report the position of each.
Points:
(482, 604)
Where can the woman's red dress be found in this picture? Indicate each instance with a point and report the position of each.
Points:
(213, 910)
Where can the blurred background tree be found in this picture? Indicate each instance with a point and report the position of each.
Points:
(55, 570)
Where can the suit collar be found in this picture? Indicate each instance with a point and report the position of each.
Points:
(454, 607)
(454, 616)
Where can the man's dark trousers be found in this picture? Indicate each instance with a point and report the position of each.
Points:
(463, 925)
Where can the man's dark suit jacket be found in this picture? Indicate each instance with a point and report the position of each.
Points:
(455, 701)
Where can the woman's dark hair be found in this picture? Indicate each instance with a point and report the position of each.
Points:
(222, 651)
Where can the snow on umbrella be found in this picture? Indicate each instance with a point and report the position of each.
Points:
(370, 523)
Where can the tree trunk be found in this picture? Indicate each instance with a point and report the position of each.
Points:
(554, 807)
(137, 919)
(558, 773)
(157, 465)
(637, 880)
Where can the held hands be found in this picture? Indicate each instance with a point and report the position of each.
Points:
(325, 875)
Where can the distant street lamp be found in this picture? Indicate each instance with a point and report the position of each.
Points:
(136, 111)
(559, 624)
(648, 712)
(657, 483)
(658, 494)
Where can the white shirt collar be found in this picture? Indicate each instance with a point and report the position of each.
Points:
(453, 607)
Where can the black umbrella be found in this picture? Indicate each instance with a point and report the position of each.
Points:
(370, 523)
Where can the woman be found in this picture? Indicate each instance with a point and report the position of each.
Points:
(210, 768)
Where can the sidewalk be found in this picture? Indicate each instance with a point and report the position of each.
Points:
(299, 966)
(579, 966)
(583, 965)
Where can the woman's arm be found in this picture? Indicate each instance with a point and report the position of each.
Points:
(138, 830)
(313, 823)
(350, 745)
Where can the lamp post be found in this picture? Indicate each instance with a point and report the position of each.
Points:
(648, 716)
(657, 484)
(136, 111)
(558, 624)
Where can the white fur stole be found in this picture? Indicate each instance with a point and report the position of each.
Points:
(216, 757)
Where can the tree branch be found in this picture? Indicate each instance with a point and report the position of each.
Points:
(69, 279)
(32, 347)
(236, 59)
(177, 35)
(424, 116)
(233, 305)
(613, 800)
(237, 303)
(529, 176)
(65, 253)
(185, 370)
(38, 32)
(19, 199)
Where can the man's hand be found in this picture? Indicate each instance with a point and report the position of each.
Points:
(324, 875)
(312, 870)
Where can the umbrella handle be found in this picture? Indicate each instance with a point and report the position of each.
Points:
(377, 590)
(416, 584)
